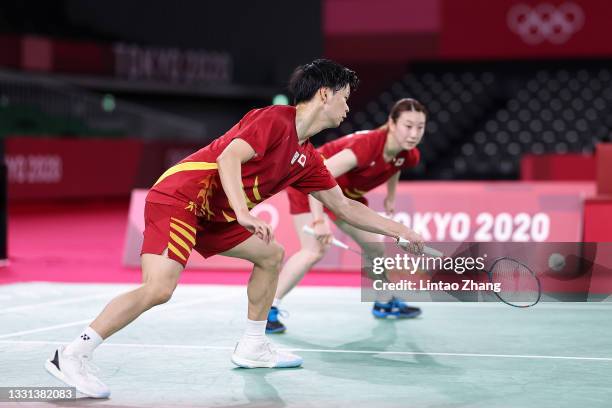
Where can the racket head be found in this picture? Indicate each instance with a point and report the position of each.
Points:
(519, 285)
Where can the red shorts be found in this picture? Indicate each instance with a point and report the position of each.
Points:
(298, 203)
(179, 230)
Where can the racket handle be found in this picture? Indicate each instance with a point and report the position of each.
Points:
(307, 229)
(403, 243)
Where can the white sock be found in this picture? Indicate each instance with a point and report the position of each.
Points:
(276, 302)
(85, 344)
(255, 330)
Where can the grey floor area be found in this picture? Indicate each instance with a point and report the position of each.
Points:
(455, 355)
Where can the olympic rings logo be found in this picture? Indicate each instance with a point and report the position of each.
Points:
(545, 22)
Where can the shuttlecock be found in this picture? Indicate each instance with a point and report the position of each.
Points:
(556, 262)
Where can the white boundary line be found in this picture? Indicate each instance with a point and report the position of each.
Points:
(372, 352)
(157, 309)
(42, 329)
(299, 301)
(490, 305)
(57, 302)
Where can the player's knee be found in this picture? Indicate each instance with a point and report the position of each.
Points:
(278, 254)
(159, 294)
(274, 258)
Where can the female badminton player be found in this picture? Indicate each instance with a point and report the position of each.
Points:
(359, 162)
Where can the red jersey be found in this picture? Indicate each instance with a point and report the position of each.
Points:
(371, 169)
(279, 162)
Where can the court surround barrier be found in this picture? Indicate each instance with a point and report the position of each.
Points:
(440, 211)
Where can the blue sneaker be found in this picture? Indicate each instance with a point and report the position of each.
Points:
(274, 325)
(395, 308)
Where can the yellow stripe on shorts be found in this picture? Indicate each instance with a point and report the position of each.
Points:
(184, 224)
(176, 251)
(183, 232)
(179, 241)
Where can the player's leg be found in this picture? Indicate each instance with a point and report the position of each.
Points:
(310, 252)
(253, 349)
(267, 260)
(160, 275)
(372, 247)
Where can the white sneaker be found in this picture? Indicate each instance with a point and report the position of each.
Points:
(78, 372)
(252, 354)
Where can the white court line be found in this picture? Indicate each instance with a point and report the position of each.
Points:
(56, 302)
(158, 309)
(400, 353)
(500, 305)
(27, 294)
(42, 329)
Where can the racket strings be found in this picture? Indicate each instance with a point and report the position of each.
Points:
(518, 284)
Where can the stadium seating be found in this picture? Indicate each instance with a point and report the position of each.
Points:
(482, 121)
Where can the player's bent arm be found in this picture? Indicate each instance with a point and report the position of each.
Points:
(230, 171)
(316, 208)
(392, 186)
(319, 223)
(229, 163)
(389, 201)
(362, 217)
(341, 162)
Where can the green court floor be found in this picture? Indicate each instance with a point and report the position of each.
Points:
(455, 355)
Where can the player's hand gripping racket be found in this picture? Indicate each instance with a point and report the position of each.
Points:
(335, 242)
(403, 243)
(519, 286)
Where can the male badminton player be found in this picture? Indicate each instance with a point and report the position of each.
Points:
(203, 203)
(360, 162)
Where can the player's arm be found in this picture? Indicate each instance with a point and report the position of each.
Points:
(362, 217)
(320, 227)
(229, 164)
(389, 201)
(340, 163)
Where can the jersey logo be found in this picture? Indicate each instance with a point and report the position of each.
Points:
(301, 159)
(399, 162)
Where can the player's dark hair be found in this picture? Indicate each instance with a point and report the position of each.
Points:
(307, 79)
(405, 105)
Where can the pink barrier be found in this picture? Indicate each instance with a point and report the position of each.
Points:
(441, 211)
(44, 168)
(604, 168)
(558, 167)
(48, 168)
